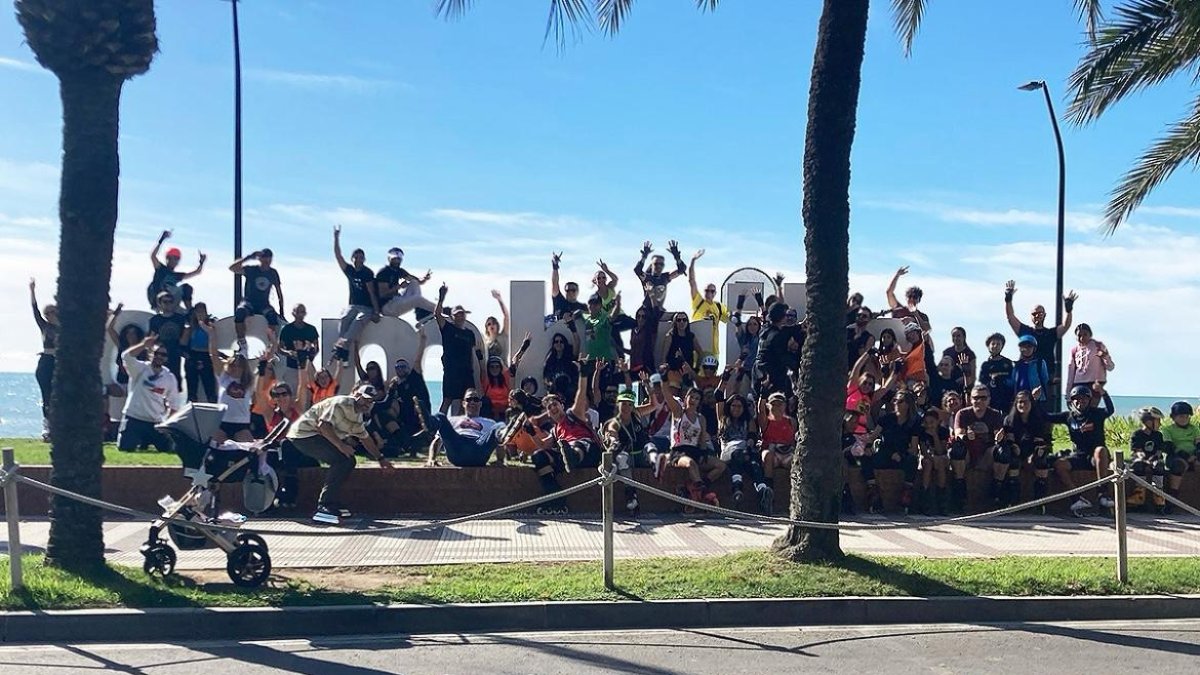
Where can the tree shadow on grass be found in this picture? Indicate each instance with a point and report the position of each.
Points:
(909, 583)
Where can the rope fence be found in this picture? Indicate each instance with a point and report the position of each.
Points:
(10, 477)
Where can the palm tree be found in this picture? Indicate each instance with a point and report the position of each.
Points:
(1144, 43)
(93, 47)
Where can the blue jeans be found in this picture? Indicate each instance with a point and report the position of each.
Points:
(462, 451)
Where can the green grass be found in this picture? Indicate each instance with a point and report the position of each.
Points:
(32, 451)
(746, 575)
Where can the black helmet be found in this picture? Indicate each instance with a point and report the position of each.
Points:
(1150, 413)
(1181, 408)
(1081, 390)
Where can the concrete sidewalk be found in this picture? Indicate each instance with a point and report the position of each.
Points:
(580, 538)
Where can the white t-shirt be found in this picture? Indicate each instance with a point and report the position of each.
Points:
(237, 409)
(150, 394)
(472, 427)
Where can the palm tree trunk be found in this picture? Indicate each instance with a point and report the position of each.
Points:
(88, 210)
(817, 473)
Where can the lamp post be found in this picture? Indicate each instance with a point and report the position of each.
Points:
(237, 153)
(1062, 216)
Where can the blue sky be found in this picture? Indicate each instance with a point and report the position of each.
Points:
(480, 150)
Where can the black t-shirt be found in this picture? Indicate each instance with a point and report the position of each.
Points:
(563, 306)
(938, 441)
(1149, 443)
(1086, 428)
(169, 329)
(360, 283)
(259, 282)
(165, 279)
(1047, 339)
(896, 435)
(292, 337)
(997, 375)
(458, 348)
(391, 277)
(938, 385)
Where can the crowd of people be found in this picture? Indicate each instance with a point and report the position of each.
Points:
(657, 397)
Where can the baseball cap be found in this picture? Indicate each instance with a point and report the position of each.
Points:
(367, 390)
(496, 360)
(174, 253)
(777, 396)
(458, 309)
(626, 397)
(1027, 340)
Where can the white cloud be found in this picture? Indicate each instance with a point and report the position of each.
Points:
(323, 81)
(1075, 220)
(23, 66)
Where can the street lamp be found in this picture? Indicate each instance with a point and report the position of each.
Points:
(1062, 197)
(237, 153)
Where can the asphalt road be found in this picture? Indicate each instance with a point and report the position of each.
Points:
(1159, 647)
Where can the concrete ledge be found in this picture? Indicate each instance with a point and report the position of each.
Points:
(170, 625)
(437, 491)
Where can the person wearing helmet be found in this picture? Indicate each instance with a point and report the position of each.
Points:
(167, 276)
(708, 378)
(1029, 372)
(1047, 336)
(1085, 426)
(1154, 459)
(996, 373)
(1181, 440)
(399, 292)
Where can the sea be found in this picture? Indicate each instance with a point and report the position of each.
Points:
(21, 405)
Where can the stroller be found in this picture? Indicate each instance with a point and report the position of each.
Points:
(209, 465)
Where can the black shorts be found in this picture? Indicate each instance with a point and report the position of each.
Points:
(246, 310)
(1079, 459)
(231, 429)
(454, 385)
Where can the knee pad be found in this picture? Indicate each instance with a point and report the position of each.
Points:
(1158, 467)
(240, 314)
(958, 451)
(1178, 466)
(541, 459)
(621, 461)
(1140, 467)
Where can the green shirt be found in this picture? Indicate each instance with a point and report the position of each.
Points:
(599, 343)
(1184, 438)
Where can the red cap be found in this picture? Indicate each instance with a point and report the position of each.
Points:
(174, 253)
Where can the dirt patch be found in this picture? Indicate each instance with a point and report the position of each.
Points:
(343, 579)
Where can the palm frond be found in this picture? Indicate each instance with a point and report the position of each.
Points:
(1179, 146)
(1091, 11)
(707, 5)
(567, 17)
(610, 14)
(906, 15)
(1145, 43)
(452, 9)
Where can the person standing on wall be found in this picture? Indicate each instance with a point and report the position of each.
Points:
(462, 356)
(256, 296)
(1047, 336)
(47, 323)
(167, 276)
(363, 300)
(707, 306)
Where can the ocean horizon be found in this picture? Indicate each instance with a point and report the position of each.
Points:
(21, 411)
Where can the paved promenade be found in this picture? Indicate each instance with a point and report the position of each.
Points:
(580, 538)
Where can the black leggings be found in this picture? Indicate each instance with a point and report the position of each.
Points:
(199, 371)
(45, 376)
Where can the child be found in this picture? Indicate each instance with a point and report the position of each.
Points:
(1030, 373)
(1151, 457)
(1182, 436)
(996, 373)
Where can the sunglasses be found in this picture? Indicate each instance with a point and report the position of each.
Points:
(473, 400)
(680, 320)
(280, 394)
(980, 398)
(710, 290)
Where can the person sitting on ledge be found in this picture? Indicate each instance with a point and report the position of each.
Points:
(469, 439)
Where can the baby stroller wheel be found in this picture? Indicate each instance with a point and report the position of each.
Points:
(250, 538)
(248, 566)
(159, 558)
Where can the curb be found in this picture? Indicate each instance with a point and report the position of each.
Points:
(220, 623)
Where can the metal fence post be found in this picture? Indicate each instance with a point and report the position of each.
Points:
(14, 520)
(606, 503)
(1119, 498)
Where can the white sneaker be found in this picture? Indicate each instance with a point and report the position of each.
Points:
(243, 348)
(1107, 502)
(327, 516)
(632, 504)
(1080, 506)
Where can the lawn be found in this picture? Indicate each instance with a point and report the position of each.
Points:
(749, 575)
